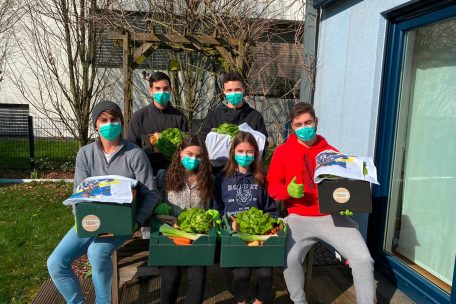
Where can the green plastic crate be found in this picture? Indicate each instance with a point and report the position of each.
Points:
(163, 252)
(94, 219)
(235, 252)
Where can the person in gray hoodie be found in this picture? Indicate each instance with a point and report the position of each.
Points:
(110, 154)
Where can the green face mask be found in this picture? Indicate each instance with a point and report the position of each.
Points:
(234, 98)
(306, 133)
(244, 160)
(162, 98)
(190, 163)
(110, 131)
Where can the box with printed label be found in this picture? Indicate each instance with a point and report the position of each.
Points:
(341, 194)
(95, 219)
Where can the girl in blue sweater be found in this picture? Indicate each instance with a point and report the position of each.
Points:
(239, 187)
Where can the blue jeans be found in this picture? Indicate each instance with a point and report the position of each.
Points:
(99, 252)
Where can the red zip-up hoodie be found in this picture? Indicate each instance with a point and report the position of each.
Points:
(294, 159)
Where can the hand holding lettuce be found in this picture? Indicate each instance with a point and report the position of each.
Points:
(227, 129)
(218, 141)
(169, 140)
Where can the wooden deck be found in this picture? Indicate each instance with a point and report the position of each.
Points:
(330, 284)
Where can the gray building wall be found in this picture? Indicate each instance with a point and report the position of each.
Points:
(349, 72)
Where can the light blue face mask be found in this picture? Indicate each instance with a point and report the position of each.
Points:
(234, 98)
(306, 133)
(162, 98)
(110, 131)
(190, 163)
(244, 160)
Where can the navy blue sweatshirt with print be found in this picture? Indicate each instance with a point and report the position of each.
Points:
(239, 193)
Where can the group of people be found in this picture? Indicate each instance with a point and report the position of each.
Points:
(189, 180)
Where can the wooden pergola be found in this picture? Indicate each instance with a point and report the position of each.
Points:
(138, 46)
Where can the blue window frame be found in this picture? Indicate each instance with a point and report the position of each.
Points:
(413, 284)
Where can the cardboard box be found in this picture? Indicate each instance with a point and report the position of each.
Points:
(344, 194)
(163, 251)
(94, 219)
(235, 252)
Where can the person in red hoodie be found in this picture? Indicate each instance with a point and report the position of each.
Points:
(291, 179)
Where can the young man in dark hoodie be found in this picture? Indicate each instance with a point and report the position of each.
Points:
(291, 179)
(234, 111)
(155, 118)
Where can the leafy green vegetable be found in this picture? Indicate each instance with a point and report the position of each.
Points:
(228, 129)
(215, 215)
(346, 212)
(167, 230)
(255, 221)
(196, 220)
(365, 171)
(169, 140)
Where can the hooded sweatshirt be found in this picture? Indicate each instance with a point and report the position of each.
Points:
(224, 114)
(241, 192)
(129, 161)
(294, 159)
(151, 119)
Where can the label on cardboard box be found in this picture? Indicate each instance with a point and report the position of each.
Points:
(90, 223)
(341, 195)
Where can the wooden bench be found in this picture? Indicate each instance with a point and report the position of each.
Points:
(131, 254)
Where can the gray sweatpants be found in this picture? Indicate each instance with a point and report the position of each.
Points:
(342, 233)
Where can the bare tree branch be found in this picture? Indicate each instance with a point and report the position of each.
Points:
(58, 42)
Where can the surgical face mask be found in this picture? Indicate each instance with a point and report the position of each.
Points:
(190, 163)
(162, 98)
(244, 160)
(306, 133)
(234, 98)
(110, 131)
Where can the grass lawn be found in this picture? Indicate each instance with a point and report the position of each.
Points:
(32, 222)
(14, 153)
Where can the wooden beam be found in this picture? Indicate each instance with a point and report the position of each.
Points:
(146, 37)
(226, 55)
(127, 73)
(115, 279)
(177, 39)
(143, 52)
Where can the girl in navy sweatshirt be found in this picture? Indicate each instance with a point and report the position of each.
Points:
(239, 187)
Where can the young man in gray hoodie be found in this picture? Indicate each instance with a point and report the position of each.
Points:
(110, 154)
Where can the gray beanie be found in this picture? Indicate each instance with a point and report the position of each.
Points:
(102, 106)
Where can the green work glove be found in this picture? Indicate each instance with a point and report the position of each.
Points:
(163, 209)
(295, 190)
